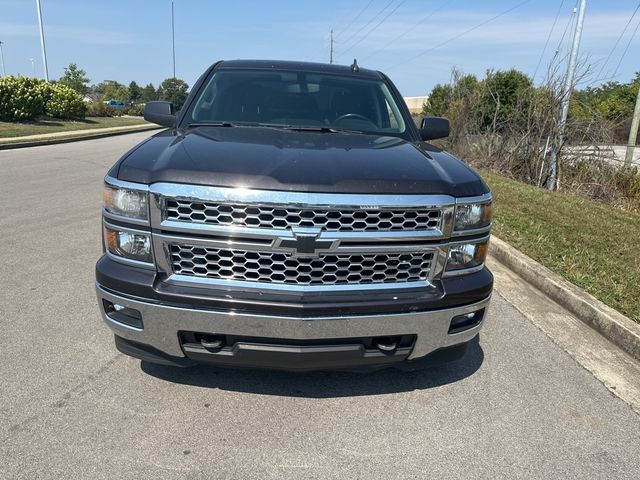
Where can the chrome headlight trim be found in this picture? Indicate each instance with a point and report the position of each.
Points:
(123, 259)
(474, 267)
(118, 187)
(483, 201)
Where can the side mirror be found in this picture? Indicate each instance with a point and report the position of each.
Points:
(434, 127)
(160, 112)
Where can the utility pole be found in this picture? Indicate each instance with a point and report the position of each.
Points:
(566, 96)
(44, 50)
(633, 133)
(331, 46)
(173, 41)
(4, 72)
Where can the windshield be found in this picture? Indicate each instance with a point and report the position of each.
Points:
(291, 99)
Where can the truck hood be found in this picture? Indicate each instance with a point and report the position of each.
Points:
(276, 159)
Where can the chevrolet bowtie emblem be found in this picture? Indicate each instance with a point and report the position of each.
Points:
(305, 243)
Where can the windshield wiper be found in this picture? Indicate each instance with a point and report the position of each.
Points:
(211, 124)
(321, 129)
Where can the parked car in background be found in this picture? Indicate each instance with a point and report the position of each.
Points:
(116, 104)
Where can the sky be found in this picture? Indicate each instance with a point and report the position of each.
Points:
(415, 42)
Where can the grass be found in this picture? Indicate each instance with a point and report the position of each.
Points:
(594, 246)
(51, 125)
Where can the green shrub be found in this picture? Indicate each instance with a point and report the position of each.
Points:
(627, 180)
(134, 110)
(100, 109)
(21, 98)
(63, 102)
(24, 98)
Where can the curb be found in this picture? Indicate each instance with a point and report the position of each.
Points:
(611, 324)
(77, 138)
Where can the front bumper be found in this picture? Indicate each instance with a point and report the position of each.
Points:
(164, 324)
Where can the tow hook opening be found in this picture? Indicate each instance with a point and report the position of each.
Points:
(466, 321)
(387, 344)
(212, 343)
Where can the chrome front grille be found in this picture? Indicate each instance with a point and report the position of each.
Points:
(283, 217)
(298, 241)
(284, 268)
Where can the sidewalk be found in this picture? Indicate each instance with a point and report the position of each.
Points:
(56, 137)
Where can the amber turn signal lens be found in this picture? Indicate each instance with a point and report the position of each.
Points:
(487, 213)
(110, 239)
(481, 252)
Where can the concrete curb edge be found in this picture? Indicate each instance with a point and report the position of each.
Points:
(77, 138)
(614, 326)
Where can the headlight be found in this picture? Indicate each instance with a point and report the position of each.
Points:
(470, 216)
(126, 202)
(467, 255)
(128, 244)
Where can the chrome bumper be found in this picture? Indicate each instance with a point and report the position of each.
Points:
(162, 324)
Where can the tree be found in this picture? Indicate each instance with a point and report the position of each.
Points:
(174, 90)
(438, 101)
(135, 92)
(502, 95)
(75, 79)
(111, 89)
(149, 93)
(442, 97)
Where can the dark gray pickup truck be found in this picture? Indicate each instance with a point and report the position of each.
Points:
(294, 217)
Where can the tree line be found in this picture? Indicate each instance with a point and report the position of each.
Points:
(174, 90)
(504, 122)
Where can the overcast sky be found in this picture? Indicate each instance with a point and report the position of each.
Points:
(416, 42)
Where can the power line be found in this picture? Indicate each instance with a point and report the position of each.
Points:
(615, 72)
(416, 25)
(355, 34)
(375, 27)
(354, 19)
(546, 43)
(615, 45)
(566, 29)
(461, 34)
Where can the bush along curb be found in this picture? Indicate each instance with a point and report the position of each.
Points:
(614, 326)
(79, 137)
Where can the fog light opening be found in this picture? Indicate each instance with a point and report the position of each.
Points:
(121, 314)
(466, 321)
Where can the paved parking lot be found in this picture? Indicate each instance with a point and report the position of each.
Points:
(71, 407)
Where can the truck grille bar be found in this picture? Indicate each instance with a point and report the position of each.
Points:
(283, 217)
(283, 268)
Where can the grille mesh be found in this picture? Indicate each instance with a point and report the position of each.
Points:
(338, 220)
(283, 268)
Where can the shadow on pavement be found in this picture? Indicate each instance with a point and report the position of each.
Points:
(321, 384)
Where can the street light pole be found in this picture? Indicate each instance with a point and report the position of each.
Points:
(44, 50)
(566, 97)
(173, 41)
(4, 72)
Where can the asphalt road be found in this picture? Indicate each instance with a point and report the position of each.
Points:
(71, 407)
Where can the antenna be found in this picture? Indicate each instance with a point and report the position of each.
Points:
(354, 66)
(331, 48)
